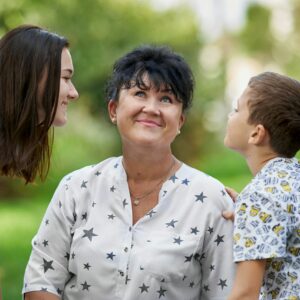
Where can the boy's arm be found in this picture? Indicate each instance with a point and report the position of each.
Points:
(248, 280)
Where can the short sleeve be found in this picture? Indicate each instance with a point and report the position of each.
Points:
(260, 227)
(47, 269)
(216, 260)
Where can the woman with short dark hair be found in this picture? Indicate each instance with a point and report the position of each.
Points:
(143, 225)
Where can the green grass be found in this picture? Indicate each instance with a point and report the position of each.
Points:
(18, 223)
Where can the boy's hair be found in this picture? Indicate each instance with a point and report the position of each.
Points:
(274, 102)
(163, 68)
(30, 70)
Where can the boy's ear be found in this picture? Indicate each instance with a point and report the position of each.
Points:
(258, 135)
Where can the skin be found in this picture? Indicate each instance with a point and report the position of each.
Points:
(253, 142)
(67, 91)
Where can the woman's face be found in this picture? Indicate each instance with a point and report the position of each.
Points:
(67, 91)
(147, 117)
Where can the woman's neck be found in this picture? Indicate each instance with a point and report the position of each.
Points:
(145, 165)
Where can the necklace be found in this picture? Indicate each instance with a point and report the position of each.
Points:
(137, 198)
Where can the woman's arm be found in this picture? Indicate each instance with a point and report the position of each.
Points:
(40, 296)
(248, 280)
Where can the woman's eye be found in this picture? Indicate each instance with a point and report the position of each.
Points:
(139, 93)
(166, 99)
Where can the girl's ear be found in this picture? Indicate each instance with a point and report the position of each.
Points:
(258, 135)
(112, 110)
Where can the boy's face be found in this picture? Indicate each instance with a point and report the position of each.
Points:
(238, 130)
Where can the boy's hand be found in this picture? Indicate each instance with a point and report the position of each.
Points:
(229, 215)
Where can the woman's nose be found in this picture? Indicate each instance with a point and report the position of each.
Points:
(151, 106)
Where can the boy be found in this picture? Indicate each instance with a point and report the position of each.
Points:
(265, 129)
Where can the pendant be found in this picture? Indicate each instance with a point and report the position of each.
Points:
(136, 202)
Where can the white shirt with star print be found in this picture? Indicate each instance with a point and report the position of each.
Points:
(88, 248)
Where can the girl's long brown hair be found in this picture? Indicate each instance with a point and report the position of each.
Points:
(30, 67)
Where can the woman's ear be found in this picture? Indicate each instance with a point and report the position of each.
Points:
(259, 135)
(181, 121)
(112, 110)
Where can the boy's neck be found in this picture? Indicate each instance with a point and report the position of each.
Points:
(256, 161)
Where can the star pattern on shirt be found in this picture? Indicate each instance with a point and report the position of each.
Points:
(110, 255)
(85, 286)
(83, 184)
(124, 203)
(222, 283)
(188, 258)
(178, 240)
(175, 234)
(47, 265)
(144, 288)
(89, 234)
(200, 197)
(67, 256)
(151, 213)
(206, 288)
(171, 223)
(84, 216)
(161, 292)
(185, 181)
(210, 230)
(173, 178)
(219, 239)
(86, 266)
(194, 230)
(111, 216)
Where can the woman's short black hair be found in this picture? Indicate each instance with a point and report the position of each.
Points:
(160, 64)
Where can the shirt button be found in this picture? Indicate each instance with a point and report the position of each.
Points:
(121, 273)
(126, 249)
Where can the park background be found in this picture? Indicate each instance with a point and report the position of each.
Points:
(225, 42)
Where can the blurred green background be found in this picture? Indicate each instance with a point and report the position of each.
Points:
(267, 38)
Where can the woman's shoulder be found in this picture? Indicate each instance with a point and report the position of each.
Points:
(197, 176)
(92, 171)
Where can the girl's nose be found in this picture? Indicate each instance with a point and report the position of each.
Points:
(73, 94)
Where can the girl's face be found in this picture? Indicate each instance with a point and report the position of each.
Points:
(67, 91)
